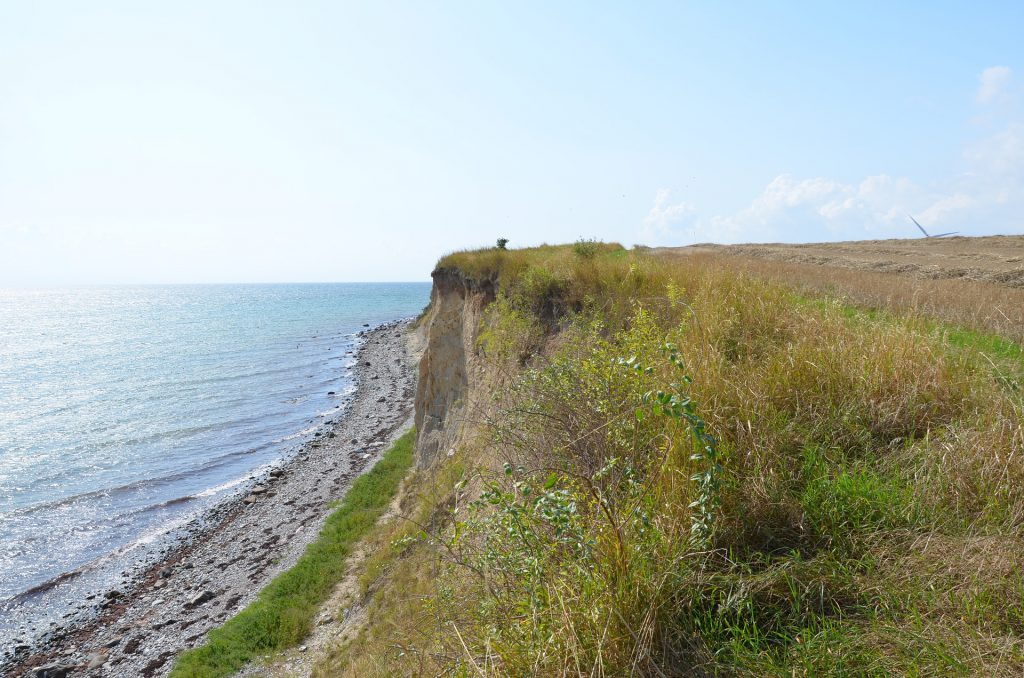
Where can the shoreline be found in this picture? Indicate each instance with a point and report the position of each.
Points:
(246, 539)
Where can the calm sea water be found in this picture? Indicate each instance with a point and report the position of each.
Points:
(125, 410)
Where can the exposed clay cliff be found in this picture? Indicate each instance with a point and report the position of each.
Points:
(450, 326)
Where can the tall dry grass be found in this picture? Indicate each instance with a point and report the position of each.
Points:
(977, 305)
(868, 515)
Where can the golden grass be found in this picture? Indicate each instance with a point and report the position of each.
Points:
(871, 510)
(977, 305)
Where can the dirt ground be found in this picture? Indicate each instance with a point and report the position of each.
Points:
(997, 260)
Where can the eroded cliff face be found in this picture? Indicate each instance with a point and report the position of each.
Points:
(449, 359)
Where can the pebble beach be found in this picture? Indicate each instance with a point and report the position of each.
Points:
(232, 552)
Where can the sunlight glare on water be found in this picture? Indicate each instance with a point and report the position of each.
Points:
(124, 409)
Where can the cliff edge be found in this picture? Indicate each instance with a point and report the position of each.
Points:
(450, 326)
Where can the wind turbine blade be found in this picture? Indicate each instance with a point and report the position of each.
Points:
(919, 226)
(942, 235)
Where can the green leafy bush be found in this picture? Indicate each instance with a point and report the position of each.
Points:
(586, 249)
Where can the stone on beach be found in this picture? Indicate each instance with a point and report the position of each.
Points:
(54, 670)
(201, 598)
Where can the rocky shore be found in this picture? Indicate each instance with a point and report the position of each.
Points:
(245, 541)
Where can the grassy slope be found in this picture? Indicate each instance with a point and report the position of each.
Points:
(283, 613)
(866, 518)
(978, 305)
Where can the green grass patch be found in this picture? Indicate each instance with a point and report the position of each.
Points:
(991, 344)
(995, 346)
(1005, 356)
(844, 504)
(283, 614)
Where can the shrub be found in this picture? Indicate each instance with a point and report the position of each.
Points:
(833, 493)
(585, 249)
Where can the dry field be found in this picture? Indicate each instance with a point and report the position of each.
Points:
(998, 260)
(976, 282)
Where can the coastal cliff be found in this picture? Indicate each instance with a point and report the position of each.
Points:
(450, 356)
(631, 464)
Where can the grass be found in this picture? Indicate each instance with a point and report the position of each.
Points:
(1005, 356)
(865, 516)
(283, 613)
(989, 308)
(990, 343)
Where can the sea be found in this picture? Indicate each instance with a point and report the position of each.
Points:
(127, 411)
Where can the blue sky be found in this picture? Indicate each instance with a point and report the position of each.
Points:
(259, 141)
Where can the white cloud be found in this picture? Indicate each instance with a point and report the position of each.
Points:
(821, 209)
(664, 217)
(987, 197)
(1000, 154)
(992, 83)
(946, 208)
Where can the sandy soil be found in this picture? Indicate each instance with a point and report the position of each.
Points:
(256, 534)
(993, 259)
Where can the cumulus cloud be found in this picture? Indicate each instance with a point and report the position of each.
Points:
(817, 208)
(665, 216)
(987, 197)
(1000, 154)
(993, 82)
(821, 209)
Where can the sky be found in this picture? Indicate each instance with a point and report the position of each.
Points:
(202, 141)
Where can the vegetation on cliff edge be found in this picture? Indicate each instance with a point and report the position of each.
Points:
(684, 468)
